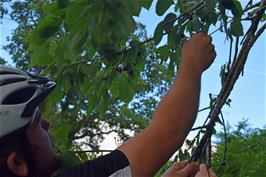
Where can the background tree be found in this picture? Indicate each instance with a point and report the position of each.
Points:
(109, 74)
(244, 154)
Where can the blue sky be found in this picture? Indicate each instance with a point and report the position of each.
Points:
(248, 96)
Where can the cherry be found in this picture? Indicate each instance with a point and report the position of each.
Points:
(119, 69)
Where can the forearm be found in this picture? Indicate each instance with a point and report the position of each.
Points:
(177, 111)
(172, 120)
(175, 114)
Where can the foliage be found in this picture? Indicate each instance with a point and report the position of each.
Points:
(109, 74)
(69, 109)
(245, 153)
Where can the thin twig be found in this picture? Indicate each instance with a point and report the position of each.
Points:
(252, 6)
(197, 128)
(209, 153)
(203, 109)
(230, 51)
(225, 144)
(248, 4)
(236, 49)
(197, 7)
(260, 10)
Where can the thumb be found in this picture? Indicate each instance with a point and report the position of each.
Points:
(189, 170)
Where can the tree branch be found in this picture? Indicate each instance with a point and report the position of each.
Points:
(197, 7)
(230, 81)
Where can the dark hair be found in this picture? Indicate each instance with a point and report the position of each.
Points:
(16, 142)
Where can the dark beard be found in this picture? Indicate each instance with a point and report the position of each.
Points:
(27, 149)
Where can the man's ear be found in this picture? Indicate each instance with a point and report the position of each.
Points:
(17, 165)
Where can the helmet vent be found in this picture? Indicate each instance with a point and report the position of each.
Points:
(11, 80)
(8, 72)
(19, 96)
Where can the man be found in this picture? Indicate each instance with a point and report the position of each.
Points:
(140, 156)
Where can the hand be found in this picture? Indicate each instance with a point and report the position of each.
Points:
(182, 169)
(197, 53)
(205, 172)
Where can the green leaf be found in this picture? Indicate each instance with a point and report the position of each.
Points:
(49, 26)
(62, 3)
(237, 9)
(66, 82)
(163, 52)
(68, 159)
(57, 94)
(41, 55)
(158, 33)
(92, 103)
(89, 69)
(59, 53)
(78, 35)
(135, 7)
(263, 18)
(173, 37)
(169, 21)
(196, 24)
(162, 6)
(35, 38)
(73, 14)
(146, 3)
(236, 27)
(122, 88)
(104, 104)
(228, 4)
(131, 55)
(62, 131)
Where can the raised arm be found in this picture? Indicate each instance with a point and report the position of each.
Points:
(176, 112)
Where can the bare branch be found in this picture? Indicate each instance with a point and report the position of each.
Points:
(251, 6)
(197, 128)
(230, 81)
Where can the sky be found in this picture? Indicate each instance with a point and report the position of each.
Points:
(248, 96)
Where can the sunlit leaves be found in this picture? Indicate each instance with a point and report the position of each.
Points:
(121, 87)
(163, 52)
(41, 55)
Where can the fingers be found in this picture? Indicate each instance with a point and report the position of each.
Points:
(204, 171)
(179, 165)
(211, 172)
(189, 170)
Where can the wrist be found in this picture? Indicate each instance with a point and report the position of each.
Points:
(189, 70)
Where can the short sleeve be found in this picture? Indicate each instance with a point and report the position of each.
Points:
(114, 164)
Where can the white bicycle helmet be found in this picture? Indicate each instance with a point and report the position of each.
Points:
(20, 95)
